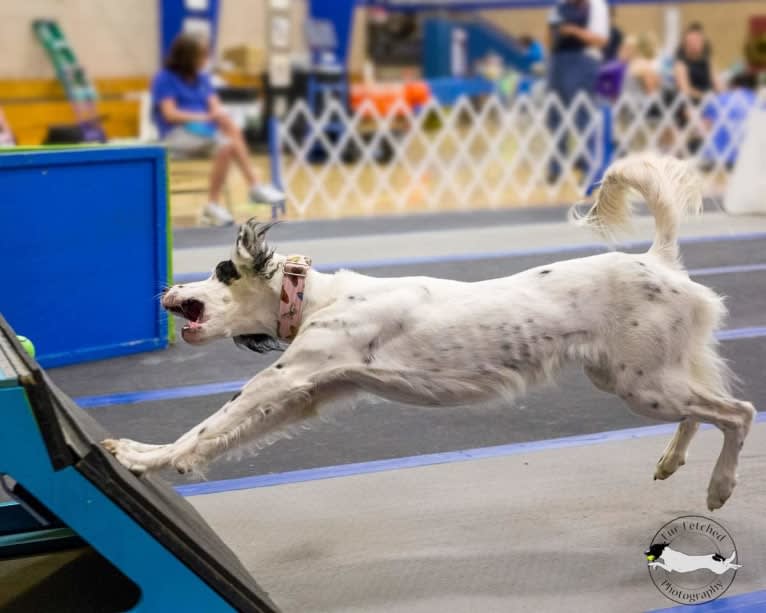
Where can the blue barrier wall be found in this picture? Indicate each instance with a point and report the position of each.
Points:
(482, 38)
(84, 250)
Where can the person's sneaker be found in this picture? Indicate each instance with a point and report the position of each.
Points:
(216, 215)
(266, 194)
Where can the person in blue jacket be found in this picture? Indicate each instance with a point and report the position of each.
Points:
(192, 122)
(578, 31)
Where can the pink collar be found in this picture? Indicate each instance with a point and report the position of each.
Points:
(291, 297)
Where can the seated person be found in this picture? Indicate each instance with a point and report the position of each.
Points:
(693, 67)
(643, 69)
(192, 122)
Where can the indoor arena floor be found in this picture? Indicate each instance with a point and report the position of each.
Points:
(546, 505)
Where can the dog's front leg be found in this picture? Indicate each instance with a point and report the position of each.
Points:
(659, 565)
(268, 402)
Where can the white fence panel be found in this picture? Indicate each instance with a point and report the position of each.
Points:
(490, 152)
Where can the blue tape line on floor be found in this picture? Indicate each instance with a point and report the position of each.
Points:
(447, 457)
(749, 602)
(467, 257)
(208, 389)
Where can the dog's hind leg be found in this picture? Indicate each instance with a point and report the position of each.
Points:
(601, 377)
(672, 399)
(734, 418)
(674, 455)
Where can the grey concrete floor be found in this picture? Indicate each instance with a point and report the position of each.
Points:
(545, 531)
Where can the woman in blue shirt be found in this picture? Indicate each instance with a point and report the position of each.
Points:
(191, 121)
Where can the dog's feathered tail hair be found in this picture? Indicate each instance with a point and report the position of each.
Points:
(670, 187)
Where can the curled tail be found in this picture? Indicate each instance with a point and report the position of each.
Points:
(669, 186)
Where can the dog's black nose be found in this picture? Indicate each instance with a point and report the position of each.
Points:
(165, 290)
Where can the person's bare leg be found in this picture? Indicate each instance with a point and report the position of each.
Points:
(221, 161)
(238, 149)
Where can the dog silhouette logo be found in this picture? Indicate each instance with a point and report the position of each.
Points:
(692, 560)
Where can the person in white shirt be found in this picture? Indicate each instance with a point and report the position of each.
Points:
(578, 31)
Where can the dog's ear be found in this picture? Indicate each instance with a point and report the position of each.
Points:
(251, 248)
(260, 343)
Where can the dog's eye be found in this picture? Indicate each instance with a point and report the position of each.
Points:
(226, 272)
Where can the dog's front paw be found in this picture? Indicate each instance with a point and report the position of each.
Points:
(124, 453)
(188, 463)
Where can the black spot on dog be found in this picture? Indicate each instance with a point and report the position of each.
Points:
(542, 273)
(267, 411)
(226, 272)
(641, 264)
(279, 366)
(639, 372)
(634, 323)
(505, 346)
(201, 431)
(517, 328)
(371, 347)
(352, 297)
(235, 396)
(260, 343)
(653, 287)
(622, 367)
(629, 395)
(675, 291)
(530, 320)
(547, 337)
(655, 405)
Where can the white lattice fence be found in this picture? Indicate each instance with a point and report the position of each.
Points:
(488, 153)
(710, 130)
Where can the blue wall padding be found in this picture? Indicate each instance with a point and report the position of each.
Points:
(173, 13)
(447, 90)
(340, 13)
(482, 38)
(437, 36)
(83, 247)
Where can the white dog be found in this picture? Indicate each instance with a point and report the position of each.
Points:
(642, 329)
(661, 555)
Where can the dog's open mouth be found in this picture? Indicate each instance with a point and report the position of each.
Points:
(191, 310)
